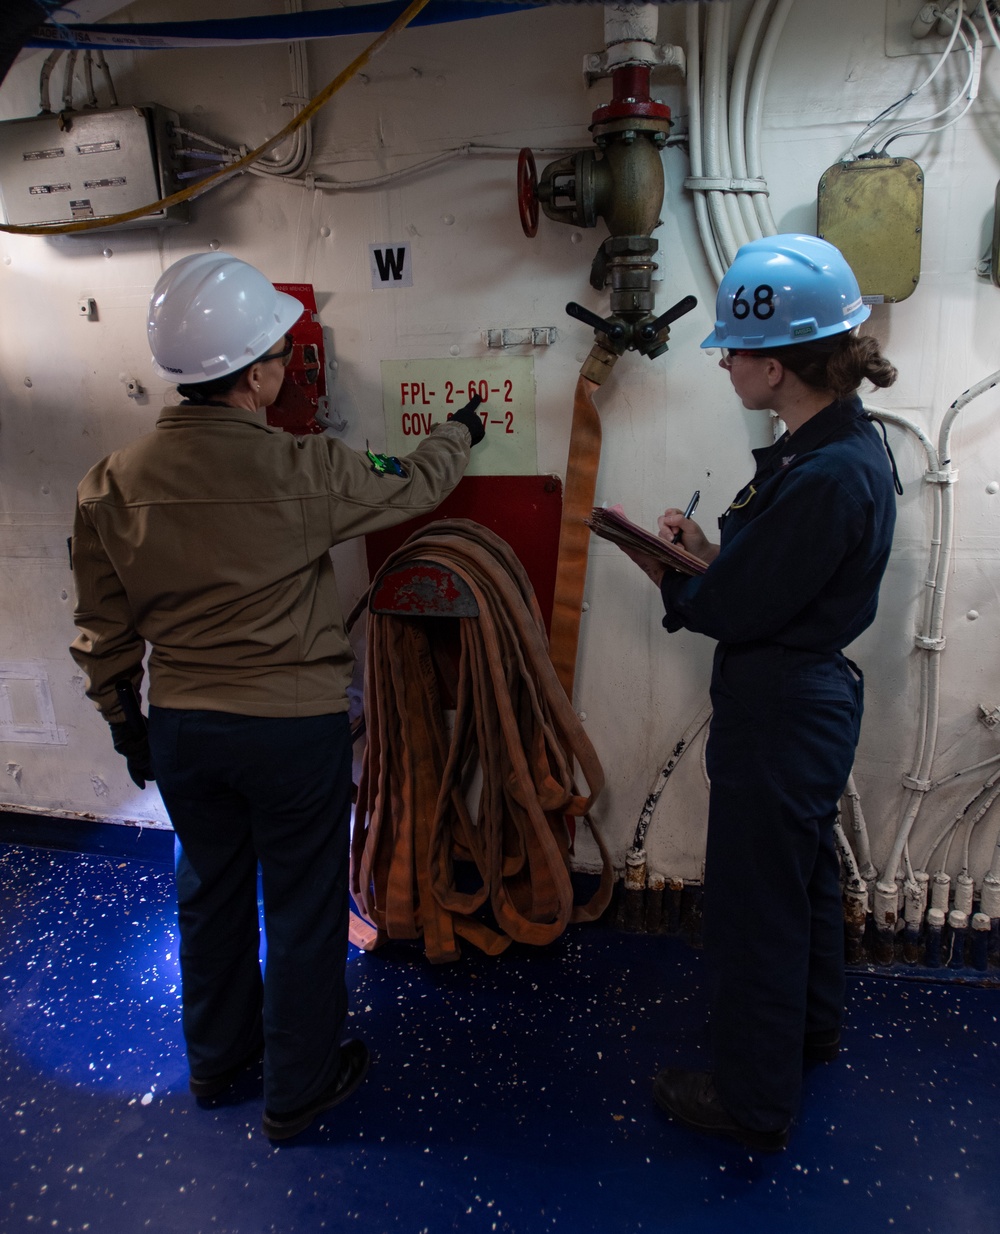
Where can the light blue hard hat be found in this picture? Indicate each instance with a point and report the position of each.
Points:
(785, 289)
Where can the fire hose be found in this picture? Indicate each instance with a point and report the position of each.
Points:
(421, 863)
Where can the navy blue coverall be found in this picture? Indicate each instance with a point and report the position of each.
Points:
(803, 550)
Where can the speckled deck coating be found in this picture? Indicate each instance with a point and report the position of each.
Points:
(510, 1094)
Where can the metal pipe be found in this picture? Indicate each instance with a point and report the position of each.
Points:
(755, 111)
(934, 940)
(708, 241)
(979, 943)
(954, 942)
(737, 111)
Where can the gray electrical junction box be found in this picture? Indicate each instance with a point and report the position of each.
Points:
(62, 166)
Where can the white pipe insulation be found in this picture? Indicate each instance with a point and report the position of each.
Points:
(708, 243)
(738, 113)
(930, 639)
(627, 23)
(755, 112)
(726, 177)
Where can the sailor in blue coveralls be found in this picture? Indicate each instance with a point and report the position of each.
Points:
(795, 579)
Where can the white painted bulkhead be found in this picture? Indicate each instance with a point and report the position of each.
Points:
(670, 426)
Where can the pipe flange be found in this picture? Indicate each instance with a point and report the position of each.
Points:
(637, 246)
(631, 109)
(657, 130)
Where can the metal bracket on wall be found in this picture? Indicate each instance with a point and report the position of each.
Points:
(521, 336)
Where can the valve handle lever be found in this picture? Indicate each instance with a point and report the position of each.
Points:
(653, 328)
(612, 329)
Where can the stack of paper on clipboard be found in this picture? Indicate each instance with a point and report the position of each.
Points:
(611, 524)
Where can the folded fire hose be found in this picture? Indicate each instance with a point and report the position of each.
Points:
(421, 864)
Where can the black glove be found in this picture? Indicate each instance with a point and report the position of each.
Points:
(129, 736)
(134, 747)
(467, 415)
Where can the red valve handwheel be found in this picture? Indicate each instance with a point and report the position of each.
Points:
(527, 192)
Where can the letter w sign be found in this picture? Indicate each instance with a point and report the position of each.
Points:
(390, 265)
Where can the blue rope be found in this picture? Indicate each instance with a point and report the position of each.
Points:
(279, 28)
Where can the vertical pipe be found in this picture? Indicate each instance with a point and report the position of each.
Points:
(673, 903)
(939, 890)
(954, 943)
(885, 913)
(694, 78)
(861, 842)
(733, 211)
(989, 903)
(914, 906)
(737, 111)
(755, 110)
(653, 918)
(935, 938)
(855, 917)
(964, 889)
(635, 884)
(980, 942)
(715, 71)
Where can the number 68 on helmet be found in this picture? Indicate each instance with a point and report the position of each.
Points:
(785, 289)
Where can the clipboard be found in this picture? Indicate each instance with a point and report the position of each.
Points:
(612, 524)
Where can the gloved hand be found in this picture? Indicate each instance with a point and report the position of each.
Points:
(467, 415)
(133, 745)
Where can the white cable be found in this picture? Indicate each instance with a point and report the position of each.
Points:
(206, 141)
(965, 771)
(346, 186)
(693, 39)
(755, 111)
(677, 751)
(979, 815)
(715, 60)
(737, 110)
(852, 875)
(931, 666)
(102, 65)
(723, 140)
(88, 77)
(968, 91)
(906, 97)
(67, 96)
(860, 828)
(951, 827)
(44, 104)
(990, 26)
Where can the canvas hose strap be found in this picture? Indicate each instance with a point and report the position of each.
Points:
(423, 863)
(578, 501)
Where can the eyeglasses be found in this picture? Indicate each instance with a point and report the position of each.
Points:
(284, 355)
(729, 352)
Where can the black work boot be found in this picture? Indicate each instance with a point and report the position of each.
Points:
(691, 1099)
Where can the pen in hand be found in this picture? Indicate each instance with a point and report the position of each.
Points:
(692, 505)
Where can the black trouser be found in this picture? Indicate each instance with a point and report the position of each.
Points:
(785, 726)
(241, 790)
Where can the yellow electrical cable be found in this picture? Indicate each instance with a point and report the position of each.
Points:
(313, 106)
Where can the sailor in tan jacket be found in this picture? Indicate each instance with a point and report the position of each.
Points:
(208, 540)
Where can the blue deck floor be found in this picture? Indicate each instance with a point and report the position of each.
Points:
(505, 1095)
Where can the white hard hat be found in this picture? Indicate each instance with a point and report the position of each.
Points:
(211, 314)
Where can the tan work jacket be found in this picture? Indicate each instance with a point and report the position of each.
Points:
(208, 539)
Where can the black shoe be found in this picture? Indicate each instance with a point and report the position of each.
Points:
(354, 1063)
(216, 1084)
(821, 1047)
(690, 1098)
